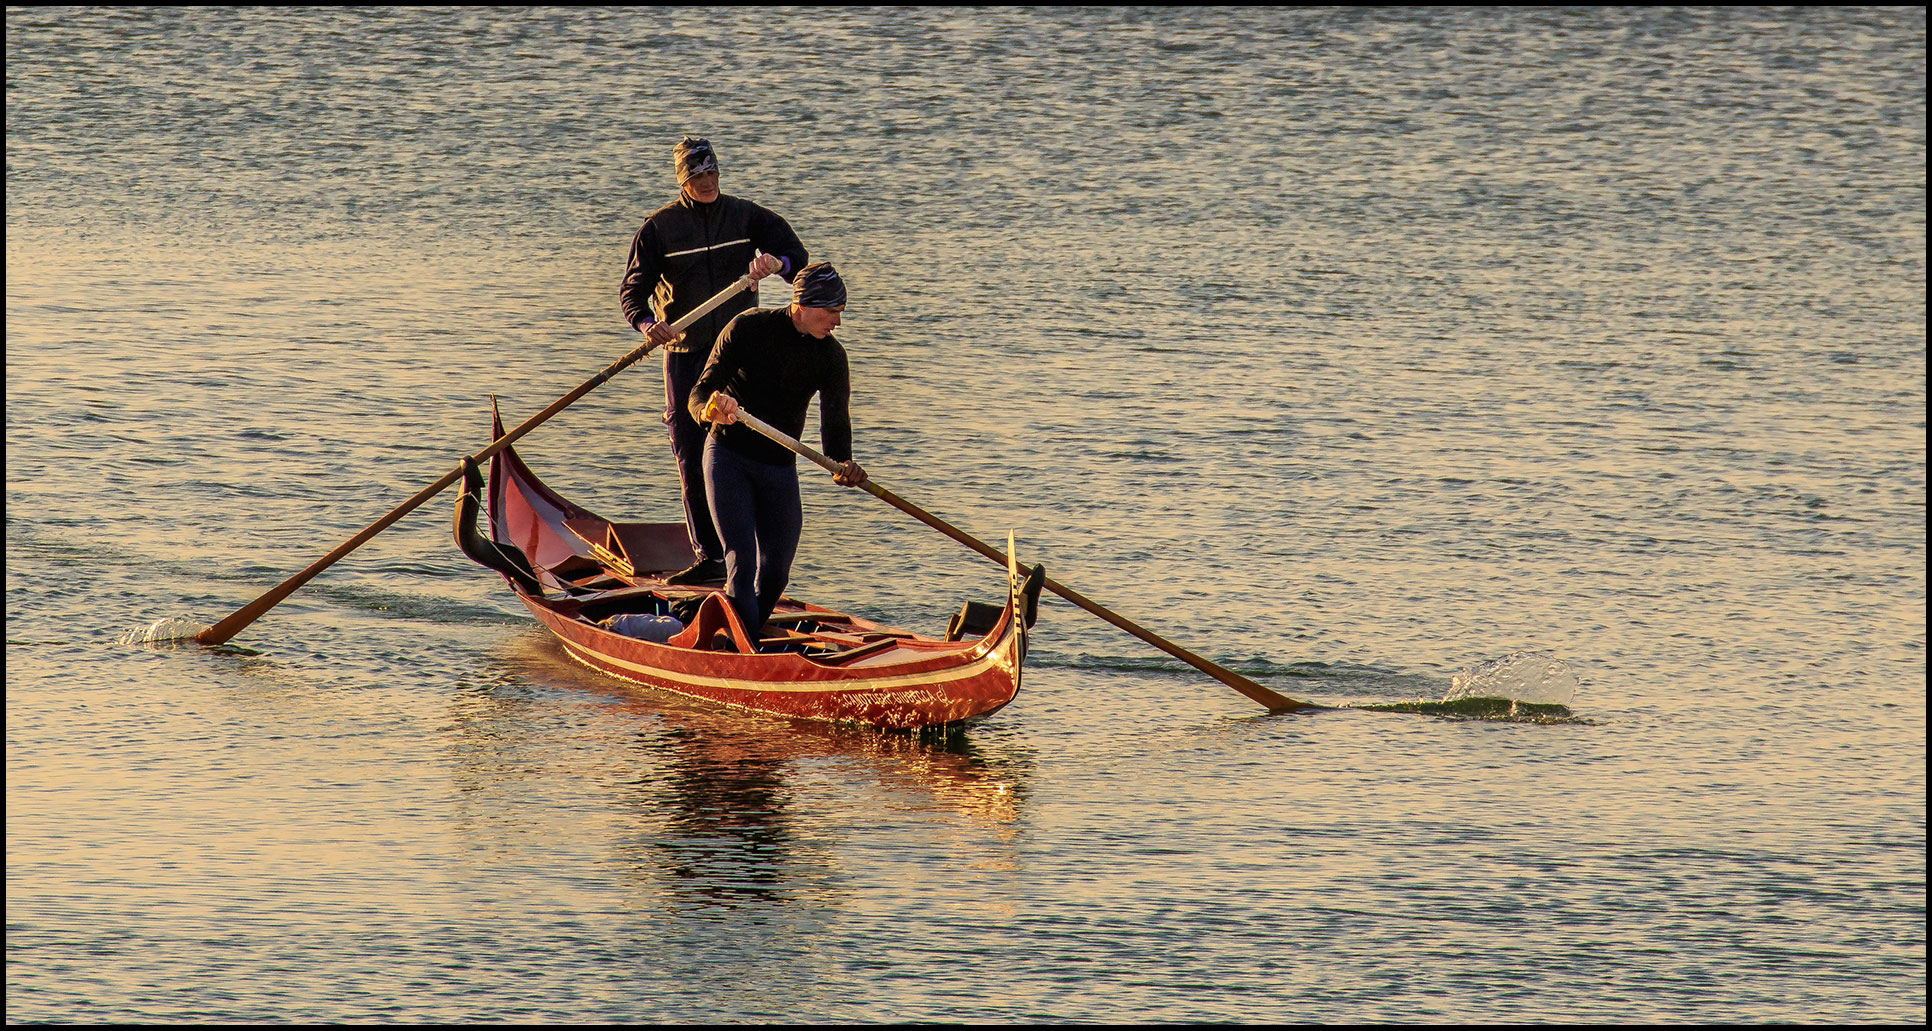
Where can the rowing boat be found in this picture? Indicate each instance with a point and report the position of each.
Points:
(582, 575)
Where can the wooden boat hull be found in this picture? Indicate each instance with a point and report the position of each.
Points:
(573, 570)
(948, 688)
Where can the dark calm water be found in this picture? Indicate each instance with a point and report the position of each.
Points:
(1576, 354)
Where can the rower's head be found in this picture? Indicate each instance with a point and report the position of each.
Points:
(818, 299)
(697, 168)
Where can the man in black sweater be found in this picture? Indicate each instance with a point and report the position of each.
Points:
(681, 256)
(771, 363)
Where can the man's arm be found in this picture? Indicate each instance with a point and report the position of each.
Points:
(717, 372)
(835, 409)
(835, 424)
(773, 235)
(641, 271)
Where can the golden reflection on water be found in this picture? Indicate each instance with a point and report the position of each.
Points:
(1358, 345)
(711, 806)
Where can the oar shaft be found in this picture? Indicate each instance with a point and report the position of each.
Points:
(1270, 699)
(240, 618)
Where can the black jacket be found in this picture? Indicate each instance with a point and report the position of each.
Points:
(686, 252)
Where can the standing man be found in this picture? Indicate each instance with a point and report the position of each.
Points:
(772, 362)
(682, 255)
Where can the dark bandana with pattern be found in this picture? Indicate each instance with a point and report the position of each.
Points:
(693, 156)
(818, 286)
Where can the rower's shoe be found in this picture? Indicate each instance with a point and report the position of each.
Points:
(705, 572)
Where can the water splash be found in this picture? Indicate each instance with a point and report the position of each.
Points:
(1498, 710)
(1537, 678)
(1521, 687)
(165, 633)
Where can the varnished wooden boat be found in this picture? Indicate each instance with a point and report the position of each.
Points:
(575, 570)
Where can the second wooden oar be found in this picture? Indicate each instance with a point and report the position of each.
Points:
(236, 622)
(1273, 701)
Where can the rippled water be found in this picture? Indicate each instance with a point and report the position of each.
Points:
(1377, 354)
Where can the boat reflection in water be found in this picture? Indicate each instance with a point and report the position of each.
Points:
(717, 808)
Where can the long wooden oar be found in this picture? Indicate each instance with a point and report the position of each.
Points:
(1273, 701)
(227, 628)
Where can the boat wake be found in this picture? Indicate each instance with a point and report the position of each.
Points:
(427, 608)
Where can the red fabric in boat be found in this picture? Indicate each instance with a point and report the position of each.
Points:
(714, 614)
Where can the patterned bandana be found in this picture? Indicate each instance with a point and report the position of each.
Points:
(693, 156)
(818, 286)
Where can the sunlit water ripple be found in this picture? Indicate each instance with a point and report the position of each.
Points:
(1397, 359)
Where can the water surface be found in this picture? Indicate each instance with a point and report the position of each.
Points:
(1358, 350)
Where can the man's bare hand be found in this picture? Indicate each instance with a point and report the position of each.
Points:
(721, 409)
(849, 474)
(661, 334)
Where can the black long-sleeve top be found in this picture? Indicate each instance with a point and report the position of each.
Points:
(773, 370)
(687, 251)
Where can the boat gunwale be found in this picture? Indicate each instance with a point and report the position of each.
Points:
(777, 666)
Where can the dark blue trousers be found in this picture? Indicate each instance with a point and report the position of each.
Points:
(681, 370)
(759, 516)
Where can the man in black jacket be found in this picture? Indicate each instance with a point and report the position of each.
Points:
(681, 256)
(771, 362)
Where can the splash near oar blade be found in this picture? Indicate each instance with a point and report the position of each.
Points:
(164, 633)
(1271, 700)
